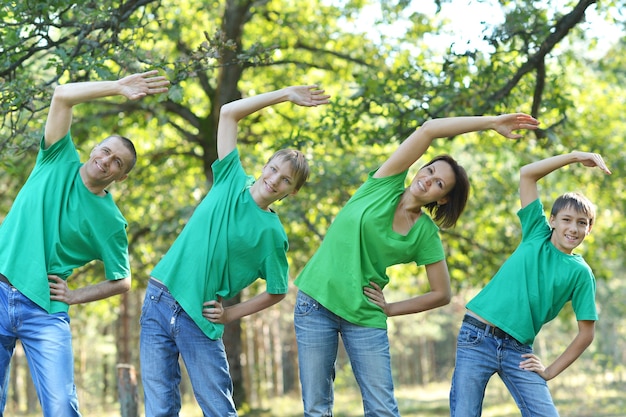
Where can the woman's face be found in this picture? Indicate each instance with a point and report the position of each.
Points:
(433, 183)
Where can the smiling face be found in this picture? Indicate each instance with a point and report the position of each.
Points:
(277, 181)
(570, 227)
(108, 162)
(433, 183)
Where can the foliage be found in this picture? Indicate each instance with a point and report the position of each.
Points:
(538, 59)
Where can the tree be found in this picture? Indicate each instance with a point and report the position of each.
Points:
(383, 87)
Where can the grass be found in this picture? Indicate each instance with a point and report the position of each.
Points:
(578, 400)
(575, 398)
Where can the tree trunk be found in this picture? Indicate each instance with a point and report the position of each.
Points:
(127, 388)
(232, 344)
(277, 360)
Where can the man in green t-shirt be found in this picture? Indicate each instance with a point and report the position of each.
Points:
(62, 218)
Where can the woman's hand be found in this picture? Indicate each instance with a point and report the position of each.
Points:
(505, 124)
(376, 296)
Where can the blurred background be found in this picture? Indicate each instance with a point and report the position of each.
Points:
(389, 66)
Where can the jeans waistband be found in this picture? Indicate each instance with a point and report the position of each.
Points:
(487, 328)
(5, 280)
(158, 284)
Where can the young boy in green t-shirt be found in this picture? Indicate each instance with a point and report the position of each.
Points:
(529, 290)
(232, 239)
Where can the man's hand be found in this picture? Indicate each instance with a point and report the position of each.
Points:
(136, 86)
(59, 291)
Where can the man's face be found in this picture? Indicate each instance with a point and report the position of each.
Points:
(109, 161)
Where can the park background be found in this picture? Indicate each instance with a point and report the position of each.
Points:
(389, 66)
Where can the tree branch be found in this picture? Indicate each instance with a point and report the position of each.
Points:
(559, 31)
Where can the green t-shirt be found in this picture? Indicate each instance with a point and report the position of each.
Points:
(227, 244)
(535, 282)
(56, 224)
(360, 245)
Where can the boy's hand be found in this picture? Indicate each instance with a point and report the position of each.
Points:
(533, 363)
(589, 159)
(307, 95)
(214, 312)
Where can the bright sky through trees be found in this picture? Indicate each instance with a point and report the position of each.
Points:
(467, 19)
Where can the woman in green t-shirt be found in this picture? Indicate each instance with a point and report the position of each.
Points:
(381, 225)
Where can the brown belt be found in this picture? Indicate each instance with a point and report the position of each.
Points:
(5, 280)
(158, 284)
(494, 331)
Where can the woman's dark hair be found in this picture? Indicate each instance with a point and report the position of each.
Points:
(446, 215)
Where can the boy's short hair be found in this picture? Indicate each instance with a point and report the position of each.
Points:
(298, 162)
(578, 202)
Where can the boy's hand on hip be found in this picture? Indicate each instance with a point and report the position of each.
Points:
(533, 363)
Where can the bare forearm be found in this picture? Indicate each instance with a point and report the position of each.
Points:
(539, 169)
(239, 109)
(420, 140)
(76, 93)
(452, 126)
(569, 356)
(98, 291)
(66, 96)
(531, 362)
(424, 302)
(133, 87)
(251, 306)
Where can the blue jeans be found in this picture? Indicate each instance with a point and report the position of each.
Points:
(167, 333)
(47, 342)
(317, 334)
(479, 355)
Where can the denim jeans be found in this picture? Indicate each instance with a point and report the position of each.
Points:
(167, 333)
(479, 355)
(47, 342)
(317, 335)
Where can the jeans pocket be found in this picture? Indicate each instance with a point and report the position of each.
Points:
(521, 347)
(469, 337)
(304, 304)
(148, 303)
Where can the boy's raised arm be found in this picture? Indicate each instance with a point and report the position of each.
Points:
(533, 172)
(231, 113)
